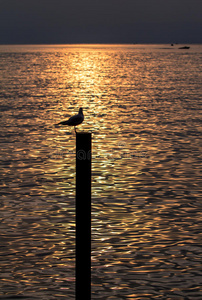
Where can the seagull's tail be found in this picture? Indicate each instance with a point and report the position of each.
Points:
(62, 123)
(58, 124)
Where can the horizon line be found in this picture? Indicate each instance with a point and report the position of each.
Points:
(143, 43)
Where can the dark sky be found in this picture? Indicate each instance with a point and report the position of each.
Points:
(100, 21)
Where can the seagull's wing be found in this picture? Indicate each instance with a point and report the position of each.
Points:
(75, 120)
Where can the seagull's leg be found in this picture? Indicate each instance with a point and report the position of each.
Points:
(75, 128)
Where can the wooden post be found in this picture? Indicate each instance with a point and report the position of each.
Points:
(83, 216)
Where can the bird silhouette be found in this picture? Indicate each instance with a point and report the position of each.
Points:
(74, 120)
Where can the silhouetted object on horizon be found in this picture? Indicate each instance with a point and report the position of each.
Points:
(185, 47)
(83, 216)
(74, 120)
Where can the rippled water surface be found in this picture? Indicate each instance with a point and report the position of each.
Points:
(142, 105)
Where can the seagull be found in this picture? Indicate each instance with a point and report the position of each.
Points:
(74, 120)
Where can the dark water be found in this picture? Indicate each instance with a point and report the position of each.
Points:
(142, 104)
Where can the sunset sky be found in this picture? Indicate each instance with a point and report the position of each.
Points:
(100, 21)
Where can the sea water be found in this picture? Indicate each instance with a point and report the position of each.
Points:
(142, 105)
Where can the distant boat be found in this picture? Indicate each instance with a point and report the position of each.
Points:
(185, 47)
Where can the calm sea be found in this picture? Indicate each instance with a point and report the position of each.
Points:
(142, 105)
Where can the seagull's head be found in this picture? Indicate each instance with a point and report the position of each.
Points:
(81, 110)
